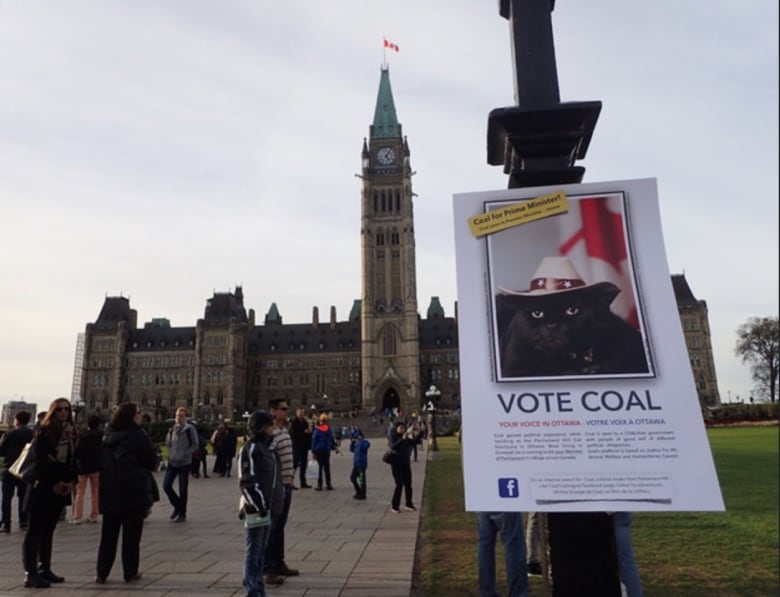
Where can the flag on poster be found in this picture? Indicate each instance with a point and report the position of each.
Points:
(594, 240)
(391, 46)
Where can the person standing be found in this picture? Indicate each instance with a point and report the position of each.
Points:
(182, 441)
(227, 450)
(402, 442)
(275, 568)
(11, 446)
(128, 458)
(359, 447)
(87, 467)
(533, 540)
(322, 443)
(216, 438)
(55, 469)
(259, 473)
(203, 452)
(300, 433)
(509, 527)
(627, 568)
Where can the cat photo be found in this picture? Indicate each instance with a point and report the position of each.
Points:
(562, 326)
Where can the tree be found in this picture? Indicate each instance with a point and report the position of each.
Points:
(758, 343)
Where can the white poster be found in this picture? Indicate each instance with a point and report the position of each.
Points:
(576, 388)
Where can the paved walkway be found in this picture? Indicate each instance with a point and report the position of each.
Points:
(342, 547)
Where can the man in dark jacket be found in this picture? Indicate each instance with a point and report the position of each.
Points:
(11, 445)
(300, 433)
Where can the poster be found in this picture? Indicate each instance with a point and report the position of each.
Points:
(576, 388)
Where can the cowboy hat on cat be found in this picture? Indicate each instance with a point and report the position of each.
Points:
(555, 275)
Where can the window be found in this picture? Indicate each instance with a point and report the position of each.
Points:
(389, 341)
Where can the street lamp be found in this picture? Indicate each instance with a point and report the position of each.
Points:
(432, 395)
(325, 403)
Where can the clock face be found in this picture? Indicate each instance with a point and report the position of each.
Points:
(385, 156)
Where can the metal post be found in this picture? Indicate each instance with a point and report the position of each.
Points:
(537, 141)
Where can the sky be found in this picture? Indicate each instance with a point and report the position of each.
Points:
(165, 151)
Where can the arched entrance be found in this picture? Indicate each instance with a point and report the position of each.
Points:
(391, 400)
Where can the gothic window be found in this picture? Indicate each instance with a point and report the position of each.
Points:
(397, 201)
(376, 202)
(380, 239)
(395, 238)
(389, 341)
(384, 202)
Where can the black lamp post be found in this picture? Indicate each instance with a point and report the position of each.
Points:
(432, 395)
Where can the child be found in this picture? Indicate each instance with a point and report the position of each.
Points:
(359, 447)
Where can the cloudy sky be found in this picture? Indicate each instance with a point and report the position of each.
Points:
(167, 150)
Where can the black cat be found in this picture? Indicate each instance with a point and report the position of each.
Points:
(566, 333)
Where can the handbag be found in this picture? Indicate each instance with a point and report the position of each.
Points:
(389, 456)
(23, 467)
(312, 470)
(252, 519)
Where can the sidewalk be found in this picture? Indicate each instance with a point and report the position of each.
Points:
(342, 547)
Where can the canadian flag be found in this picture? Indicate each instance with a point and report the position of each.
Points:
(593, 238)
(391, 45)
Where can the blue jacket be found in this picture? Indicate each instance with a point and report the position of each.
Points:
(359, 448)
(322, 440)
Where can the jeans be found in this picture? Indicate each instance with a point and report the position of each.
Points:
(132, 525)
(402, 475)
(179, 502)
(11, 484)
(81, 490)
(533, 538)
(274, 552)
(358, 479)
(509, 526)
(300, 458)
(256, 541)
(323, 459)
(39, 540)
(627, 569)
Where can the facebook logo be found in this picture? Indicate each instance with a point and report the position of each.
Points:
(507, 488)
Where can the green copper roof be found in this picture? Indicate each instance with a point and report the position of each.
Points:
(435, 310)
(354, 314)
(385, 119)
(273, 315)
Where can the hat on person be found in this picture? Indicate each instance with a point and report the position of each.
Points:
(258, 420)
(556, 275)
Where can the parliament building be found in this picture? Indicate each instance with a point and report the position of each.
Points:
(384, 355)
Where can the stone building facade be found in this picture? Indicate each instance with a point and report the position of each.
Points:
(694, 318)
(384, 355)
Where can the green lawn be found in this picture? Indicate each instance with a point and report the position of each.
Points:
(724, 554)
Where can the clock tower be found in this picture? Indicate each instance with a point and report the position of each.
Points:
(390, 351)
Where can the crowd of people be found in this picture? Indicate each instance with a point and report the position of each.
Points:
(116, 465)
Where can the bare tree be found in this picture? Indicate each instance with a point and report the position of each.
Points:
(758, 343)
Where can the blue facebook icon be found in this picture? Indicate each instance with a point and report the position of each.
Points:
(507, 488)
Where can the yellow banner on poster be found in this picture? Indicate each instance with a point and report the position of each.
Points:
(519, 213)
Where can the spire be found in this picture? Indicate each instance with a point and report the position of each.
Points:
(385, 119)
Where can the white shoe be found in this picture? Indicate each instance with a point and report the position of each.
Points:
(74, 521)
